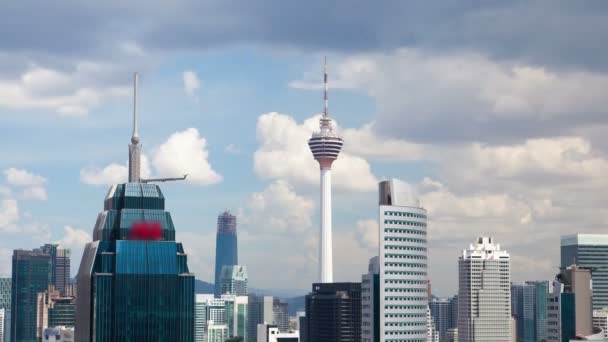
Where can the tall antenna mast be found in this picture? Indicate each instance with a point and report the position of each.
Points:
(134, 147)
(325, 104)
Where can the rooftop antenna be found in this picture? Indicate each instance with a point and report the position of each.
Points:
(325, 122)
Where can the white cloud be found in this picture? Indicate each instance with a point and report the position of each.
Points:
(74, 238)
(283, 153)
(112, 174)
(277, 210)
(191, 82)
(186, 152)
(34, 193)
(71, 93)
(9, 214)
(366, 234)
(232, 148)
(21, 177)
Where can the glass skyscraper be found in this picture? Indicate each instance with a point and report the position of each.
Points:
(134, 283)
(589, 251)
(226, 251)
(333, 312)
(31, 274)
(60, 266)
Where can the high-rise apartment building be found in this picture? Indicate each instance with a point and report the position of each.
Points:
(31, 274)
(570, 311)
(200, 316)
(370, 302)
(325, 146)
(403, 264)
(234, 280)
(333, 312)
(589, 251)
(529, 309)
(280, 314)
(217, 332)
(226, 247)
(484, 294)
(5, 304)
(134, 283)
(60, 266)
(260, 311)
(235, 315)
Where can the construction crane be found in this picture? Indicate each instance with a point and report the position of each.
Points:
(162, 180)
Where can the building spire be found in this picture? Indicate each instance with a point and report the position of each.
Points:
(134, 147)
(325, 104)
(135, 137)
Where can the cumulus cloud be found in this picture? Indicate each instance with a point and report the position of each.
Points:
(480, 99)
(366, 233)
(74, 238)
(191, 82)
(21, 177)
(186, 152)
(232, 148)
(9, 214)
(34, 193)
(112, 174)
(284, 154)
(278, 210)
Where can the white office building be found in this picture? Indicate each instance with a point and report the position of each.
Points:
(216, 332)
(484, 293)
(200, 316)
(403, 264)
(271, 333)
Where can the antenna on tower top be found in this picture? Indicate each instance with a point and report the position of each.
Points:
(135, 137)
(325, 104)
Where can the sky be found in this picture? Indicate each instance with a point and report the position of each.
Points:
(495, 112)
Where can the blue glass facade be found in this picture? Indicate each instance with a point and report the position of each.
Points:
(226, 250)
(129, 288)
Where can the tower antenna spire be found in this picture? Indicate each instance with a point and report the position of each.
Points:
(325, 101)
(134, 147)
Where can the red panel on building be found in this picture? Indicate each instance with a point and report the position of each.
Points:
(145, 231)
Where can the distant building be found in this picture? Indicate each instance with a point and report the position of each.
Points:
(370, 302)
(403, 263)
(235, 315)
(31, 275)
(53, 310)
(333, 312)
(600, 320)
(5, 303)
(260, 311)
(234, 280)
(484, 296)
(60, 266)
(452, 335)
(280, 313)
(59, 334)
(217, 332)
(454, 309)
(441, 311)
(570, 305)
(589, 251)
(226, 250)
(271, 333)
(432, 333)
(529, 309)
(2, 315)
(200, 316)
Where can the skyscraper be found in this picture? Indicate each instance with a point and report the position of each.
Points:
(280, 314)
(441, 311)
(403, 263)
(333, 312)
(200, 316)
(370, 302)
(589, 251)
(484, 307)
(5, 303)
(260, 311)
(570, 305)
(529, 308)
(226, 249)
(133, 282)
(325, 146)
(235, 315)
(60, 266)
(234, 280)
(31, 274)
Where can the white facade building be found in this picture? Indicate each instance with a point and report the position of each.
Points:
(484, 294)
(271, 333)
(2, 316)
(235, 315)
(600, 320)
(216, 332)
(200, 316)
(403, 264)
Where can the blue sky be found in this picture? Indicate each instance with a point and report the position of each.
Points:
(496, 121)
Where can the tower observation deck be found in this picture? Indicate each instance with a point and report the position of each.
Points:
(325, 146)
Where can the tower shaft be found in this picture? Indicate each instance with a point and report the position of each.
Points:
(325, 250)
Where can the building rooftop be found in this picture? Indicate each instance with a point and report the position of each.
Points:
(584, 239)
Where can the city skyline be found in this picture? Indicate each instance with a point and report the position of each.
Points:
(499, 137)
